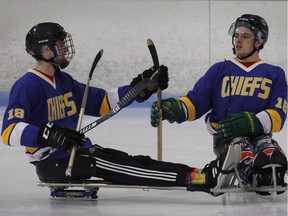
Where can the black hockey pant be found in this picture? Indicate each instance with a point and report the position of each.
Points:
(114, 166)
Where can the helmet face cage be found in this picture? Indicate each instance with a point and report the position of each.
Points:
(54, 36)
(64, 52)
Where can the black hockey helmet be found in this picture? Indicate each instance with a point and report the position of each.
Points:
(255, 23)
(49, 33)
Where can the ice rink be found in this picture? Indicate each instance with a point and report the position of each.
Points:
(130, 131)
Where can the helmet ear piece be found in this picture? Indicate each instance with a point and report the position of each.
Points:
(34, 51)
(30, 52)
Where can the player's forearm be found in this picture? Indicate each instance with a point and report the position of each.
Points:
(20, 134)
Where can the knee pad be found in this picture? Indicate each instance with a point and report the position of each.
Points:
(219, 146)
(265, 142)
(245, 143)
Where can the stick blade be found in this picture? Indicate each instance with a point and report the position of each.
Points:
(153, 52)
(95, 62)
(149, 42)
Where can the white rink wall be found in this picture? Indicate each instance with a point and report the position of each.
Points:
(189, 36)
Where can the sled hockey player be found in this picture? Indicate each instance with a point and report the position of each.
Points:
(43, 111)
(247, 102)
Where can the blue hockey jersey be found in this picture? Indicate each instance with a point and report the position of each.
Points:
(35, 100)
(260, 88)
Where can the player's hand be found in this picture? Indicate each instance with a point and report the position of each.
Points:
(172, 110)
(58, 137)
(239, 125)
(160, 80)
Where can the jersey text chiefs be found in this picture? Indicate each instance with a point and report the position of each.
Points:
(246, 86)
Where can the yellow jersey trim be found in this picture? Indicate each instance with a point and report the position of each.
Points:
(6, 134)
(276, 120)
(191, 111)
(105, 108)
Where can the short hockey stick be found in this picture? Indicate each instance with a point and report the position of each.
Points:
(128, 97)
(82, 110)
(155, 59)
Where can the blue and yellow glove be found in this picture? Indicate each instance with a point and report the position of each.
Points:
(172, 110)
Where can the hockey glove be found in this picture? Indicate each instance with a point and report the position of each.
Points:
(160, 80)
(172, 110)
(244, 124)
(58, 137)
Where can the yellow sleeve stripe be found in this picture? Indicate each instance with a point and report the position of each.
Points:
(6, 134)
(276, 120)
(191, 112)
(104, 107)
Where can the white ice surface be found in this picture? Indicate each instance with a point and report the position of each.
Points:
(130, 131)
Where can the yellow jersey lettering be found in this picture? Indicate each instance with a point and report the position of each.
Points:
(61, 107)
(246, 86)
(17, 112)
(254, 85)
(239, 86)
(281, 104)
(225, 87)
(265, 88)
(57, 107)
(70, 104)
(284, 108)
(234, 81)
(51, 109)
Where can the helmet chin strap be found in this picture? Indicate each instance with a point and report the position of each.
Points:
(56, 66)
(247, 56)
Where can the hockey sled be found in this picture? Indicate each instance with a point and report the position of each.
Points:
(274, 189)
(232, 183)
(227, 183)
(88, 189)
(236, 186)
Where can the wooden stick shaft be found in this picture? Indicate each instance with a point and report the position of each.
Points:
(159, 128)
(79, 123)
(82, 110)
